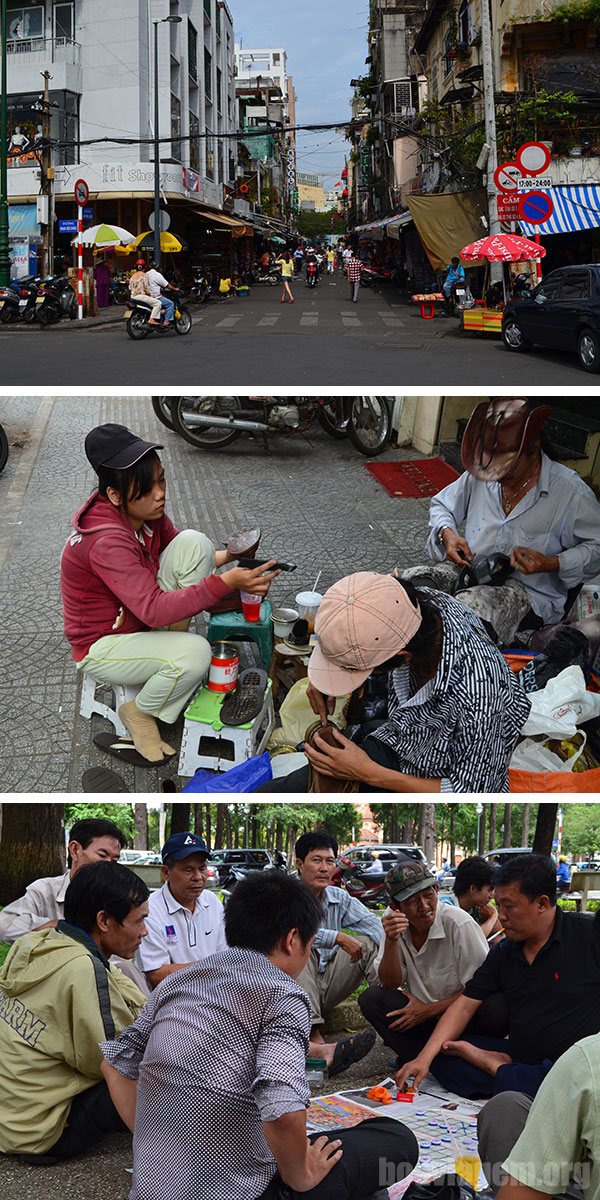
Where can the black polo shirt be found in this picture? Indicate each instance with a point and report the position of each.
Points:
(553, 1002)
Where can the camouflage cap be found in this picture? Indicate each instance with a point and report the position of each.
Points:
(407, 879)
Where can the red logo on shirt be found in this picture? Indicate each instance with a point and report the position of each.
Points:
(556, 976)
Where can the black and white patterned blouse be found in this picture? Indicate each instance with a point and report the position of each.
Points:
(219, 1048)
(462, 726)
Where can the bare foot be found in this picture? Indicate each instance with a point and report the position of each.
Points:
(317, 1048)
(487, 1060)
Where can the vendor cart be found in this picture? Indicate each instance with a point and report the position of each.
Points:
(504, 248)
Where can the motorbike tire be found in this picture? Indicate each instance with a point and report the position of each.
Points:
(204, 437)
(3, 448)
(30, 315)
(162, 409)
(274, 281)
(121, 295)
(137, 327)
(370, 426)
(183, 323)
(7, 315)
(366, 282)
(327, 420)
(46, 316)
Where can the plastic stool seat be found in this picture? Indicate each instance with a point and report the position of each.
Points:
(223, 627)
(89, 704)
(427, 309)
(208, 743)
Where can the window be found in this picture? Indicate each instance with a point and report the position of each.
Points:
(208, 9)
(192, 52)
(207, 74)
(218, 19)
(276, 59)
(548, 290)
(575, 286)
(464, 23)
(64, 23)
(25, 21)
(219, 90)
(194, 142)
(210, 154)
(175, 127)
(449, 53)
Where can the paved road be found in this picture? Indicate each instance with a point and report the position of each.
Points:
(315, 501)
(322, 339)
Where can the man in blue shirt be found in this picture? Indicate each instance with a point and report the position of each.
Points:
(338, 961)
(456, 273)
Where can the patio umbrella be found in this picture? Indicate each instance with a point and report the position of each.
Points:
(273, 238)
(502, 247)
(169, 244)
(103, 236)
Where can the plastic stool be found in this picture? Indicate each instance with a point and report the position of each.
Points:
(206, 742)
(223, 627)
(427, 309)
(121, 692)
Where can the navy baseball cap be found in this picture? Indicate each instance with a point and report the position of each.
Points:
(181, 845)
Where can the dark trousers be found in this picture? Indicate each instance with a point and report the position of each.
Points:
(381, 754)
(488, 1030)
(377, 1153)
(92, 1117)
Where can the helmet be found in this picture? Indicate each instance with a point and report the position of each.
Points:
(141, 262)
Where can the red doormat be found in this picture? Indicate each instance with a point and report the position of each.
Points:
(413, 479)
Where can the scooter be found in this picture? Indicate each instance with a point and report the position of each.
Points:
(271, 276)
(137, 315)
(312, 274)
(236, 874)
(365, 885)
(119, 289)
(56, 300)
(15, 301)
(201, 290)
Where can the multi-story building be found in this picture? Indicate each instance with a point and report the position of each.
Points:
(267, 97)
(99, 122)
(311, 193)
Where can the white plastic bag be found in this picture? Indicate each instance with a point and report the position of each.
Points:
(562, 706)
(530, 755)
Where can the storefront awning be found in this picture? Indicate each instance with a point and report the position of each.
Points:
(386, 227)
(575, 208)
(220, 218)
(447, 221)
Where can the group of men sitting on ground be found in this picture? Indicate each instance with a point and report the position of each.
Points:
(237, 999)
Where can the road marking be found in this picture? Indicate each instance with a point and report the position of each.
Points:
(227, 322)
(309, 319)
(271, 320)
(393, 322)
(351, 322)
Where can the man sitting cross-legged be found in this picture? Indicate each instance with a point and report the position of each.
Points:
(59, 996)
(339, 961)
(430, 952)
(213, 1071)
(547, 969)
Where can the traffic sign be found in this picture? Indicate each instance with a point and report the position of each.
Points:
(81, 192)
(535, 207)
(535, 183)
(507, 177)
(508, 206)
(164, 219)
(533, 158)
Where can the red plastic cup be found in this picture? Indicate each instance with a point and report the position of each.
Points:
(251, 607)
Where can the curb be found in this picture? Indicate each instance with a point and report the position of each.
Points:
(346, 1016)
(72, 326)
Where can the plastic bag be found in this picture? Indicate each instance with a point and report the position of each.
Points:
(530, 755)
(246, 777)
(296, 715)
(564, 704)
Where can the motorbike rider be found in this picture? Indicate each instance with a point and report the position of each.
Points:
(157, 285)
(456, 274)
(139, 291)
(311, 258)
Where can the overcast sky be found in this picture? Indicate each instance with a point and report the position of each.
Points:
(326, 44)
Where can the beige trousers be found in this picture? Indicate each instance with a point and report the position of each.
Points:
(339, 980)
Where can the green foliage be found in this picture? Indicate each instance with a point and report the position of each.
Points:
(458, 131)
(4, 949)
(581, 829)
(121, 813)
(366, 84)
(315, 224)
(537, 115)
(575, 10)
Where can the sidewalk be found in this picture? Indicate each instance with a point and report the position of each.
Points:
(316, 503)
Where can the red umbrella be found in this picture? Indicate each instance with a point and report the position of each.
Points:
(502, 247)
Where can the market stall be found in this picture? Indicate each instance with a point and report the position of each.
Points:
(504, 248)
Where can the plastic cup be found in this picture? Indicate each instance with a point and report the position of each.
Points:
(251, 607)
(467, 1163)
(307, 604)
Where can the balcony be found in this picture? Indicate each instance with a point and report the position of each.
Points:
(39, 50)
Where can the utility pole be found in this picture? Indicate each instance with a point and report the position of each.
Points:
(47, 178)
(4, 255)
(489, 112)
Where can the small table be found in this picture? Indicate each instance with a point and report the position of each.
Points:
(588, 883)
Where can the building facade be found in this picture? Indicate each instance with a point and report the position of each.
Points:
(267, 109)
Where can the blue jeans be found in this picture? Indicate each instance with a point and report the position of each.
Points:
(169, 308)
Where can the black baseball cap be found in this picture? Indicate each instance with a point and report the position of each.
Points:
(181, 845)
(116, 447)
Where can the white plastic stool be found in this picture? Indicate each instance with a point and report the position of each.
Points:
(121, 693)
(218, 747)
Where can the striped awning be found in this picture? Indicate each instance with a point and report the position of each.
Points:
(397, 221)
(575, 208)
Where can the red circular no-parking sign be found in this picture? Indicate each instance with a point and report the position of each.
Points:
(535, 207)
(533, 158)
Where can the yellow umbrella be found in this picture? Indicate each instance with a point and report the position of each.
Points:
(169, 244)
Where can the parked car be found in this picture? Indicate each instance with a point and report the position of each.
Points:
(365, 856)
(252, 860)
(128, 857)
(561, 313)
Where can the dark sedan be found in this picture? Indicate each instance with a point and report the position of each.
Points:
(561, 313)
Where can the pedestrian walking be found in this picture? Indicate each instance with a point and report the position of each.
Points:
(286, 262)
(353, 271)
(330, 261)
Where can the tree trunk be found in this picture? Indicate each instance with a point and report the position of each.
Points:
(228, 829)
(198, 820)
(180, 817)
(526, 818)
(426, 837)
(492, 831)
(141, 827)
(452, 835)
(507, 835)
(481, 831)
(32, 846)
(544, 829)
(219, 827)
(208, 824)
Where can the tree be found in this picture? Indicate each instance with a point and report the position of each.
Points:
(581, 829)
(140, 841)
(316, 224)
(121, 813)
(526, 819)
(427, 830)
(492, 832)
(507, 838)
(544, 828)
(180, 818)
(32, 844)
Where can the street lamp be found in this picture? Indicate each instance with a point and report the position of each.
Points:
(4, 255)
(164, 21)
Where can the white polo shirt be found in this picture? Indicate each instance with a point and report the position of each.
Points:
(176, 935)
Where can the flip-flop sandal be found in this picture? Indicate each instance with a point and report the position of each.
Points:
(125, 751)
(325, 783)
(350, 1050)
(100, 779)
(246, 702)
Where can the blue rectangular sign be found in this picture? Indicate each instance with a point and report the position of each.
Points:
(67, 226)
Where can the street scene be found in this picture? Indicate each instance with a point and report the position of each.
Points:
(432, 211)
(334, 496)
(431, 905)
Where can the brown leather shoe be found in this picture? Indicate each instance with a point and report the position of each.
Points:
(325, 783)
(243, 543)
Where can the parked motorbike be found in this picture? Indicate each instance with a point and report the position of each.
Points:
(460, 297)
(3, 448)
(312, 273)
(201, 290)
(17, 301)
(271, 276)
(236, 874)
(212, 422)
(56, 300)
(137, 315)
(162, 408)
(31, 287)
(365, 884)
(119, 289)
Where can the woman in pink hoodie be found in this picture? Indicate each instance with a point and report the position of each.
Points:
(131, 582)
